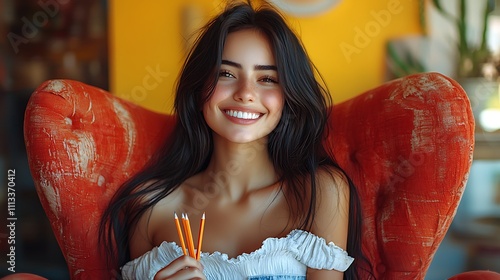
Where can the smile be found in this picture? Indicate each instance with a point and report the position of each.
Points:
(242, 115)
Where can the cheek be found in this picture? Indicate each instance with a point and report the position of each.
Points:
(221, 90)
(216, 96)
(205, 109)
(275, 102)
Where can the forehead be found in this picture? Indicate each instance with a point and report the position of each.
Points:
(250, 46)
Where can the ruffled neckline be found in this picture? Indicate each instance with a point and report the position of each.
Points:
(291, 255)
(267, 244)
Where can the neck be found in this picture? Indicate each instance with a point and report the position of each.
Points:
(237, 169)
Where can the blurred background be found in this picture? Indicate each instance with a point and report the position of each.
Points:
(118, 45)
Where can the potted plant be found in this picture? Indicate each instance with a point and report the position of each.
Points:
(471, 57)
(477, 66)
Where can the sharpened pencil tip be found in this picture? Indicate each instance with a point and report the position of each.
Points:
(175, 215)
(203, 216)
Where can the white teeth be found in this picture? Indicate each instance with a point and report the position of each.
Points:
(242, 115)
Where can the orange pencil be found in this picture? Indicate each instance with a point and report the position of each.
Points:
(189, 236)
(179, 232)
(200, 236)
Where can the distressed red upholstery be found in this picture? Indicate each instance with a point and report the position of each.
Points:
(23, 276)
(407, 145)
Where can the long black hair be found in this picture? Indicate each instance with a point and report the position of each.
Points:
(295, 146)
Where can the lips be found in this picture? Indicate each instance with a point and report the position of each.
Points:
(242, 115)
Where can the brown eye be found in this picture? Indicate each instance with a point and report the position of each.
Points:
(269, 79)
(226, 74)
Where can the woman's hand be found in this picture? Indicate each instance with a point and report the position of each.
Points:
(182, 268)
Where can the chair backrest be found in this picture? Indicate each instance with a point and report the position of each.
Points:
(406, 144)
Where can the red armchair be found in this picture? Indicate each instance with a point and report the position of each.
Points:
(407, 145)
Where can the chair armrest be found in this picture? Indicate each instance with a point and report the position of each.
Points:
(23, 276)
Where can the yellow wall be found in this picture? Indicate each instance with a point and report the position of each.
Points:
(347, 44)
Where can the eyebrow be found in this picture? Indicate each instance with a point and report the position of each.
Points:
(256, 67)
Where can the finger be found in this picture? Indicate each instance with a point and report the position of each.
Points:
(191, 273)
(185, 261)
(179, 264)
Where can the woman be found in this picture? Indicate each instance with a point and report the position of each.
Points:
(247, 151)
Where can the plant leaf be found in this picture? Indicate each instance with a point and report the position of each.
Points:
(441, 10)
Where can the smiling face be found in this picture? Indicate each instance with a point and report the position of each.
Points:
(247, 102)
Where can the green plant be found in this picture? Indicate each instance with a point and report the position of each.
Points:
(471, 57)
(403, 63)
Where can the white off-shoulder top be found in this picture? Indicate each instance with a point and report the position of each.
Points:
(278, 258)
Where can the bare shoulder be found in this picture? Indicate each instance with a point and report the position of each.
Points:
(151, 224)
(332, 181)
(332, 208)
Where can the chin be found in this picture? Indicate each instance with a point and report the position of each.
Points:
(243, 139)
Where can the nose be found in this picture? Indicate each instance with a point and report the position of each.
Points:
(245, 92)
